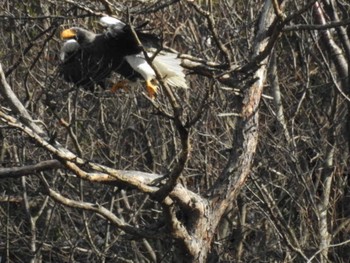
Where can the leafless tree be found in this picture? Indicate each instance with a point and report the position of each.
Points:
(251, 164)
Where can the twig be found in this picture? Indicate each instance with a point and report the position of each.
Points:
(28, 48)
(330, 246)
(211, 26)
(317, 27)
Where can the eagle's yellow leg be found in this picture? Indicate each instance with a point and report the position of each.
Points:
(123, 84)
(151, 89)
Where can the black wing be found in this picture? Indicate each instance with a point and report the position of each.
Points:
(123, 38)
(85, 67)
(121, 43)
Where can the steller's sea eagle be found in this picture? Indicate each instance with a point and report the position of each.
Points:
(89, 58)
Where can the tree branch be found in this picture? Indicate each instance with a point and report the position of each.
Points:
(15, 172)
(211, 26)
(329, 25)
(99, 209)
(182, 130)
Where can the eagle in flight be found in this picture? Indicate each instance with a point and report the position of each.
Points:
(88, 59)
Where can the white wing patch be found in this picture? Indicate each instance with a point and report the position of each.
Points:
(69, 46)
(139, 64)
(107, 21)
(167, 64)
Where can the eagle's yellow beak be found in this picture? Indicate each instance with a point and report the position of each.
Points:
(68, 34)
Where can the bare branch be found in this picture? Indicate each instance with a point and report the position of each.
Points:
(14, 172)
(104, 212)
(211, 26)
(308, 27)
(16, 106)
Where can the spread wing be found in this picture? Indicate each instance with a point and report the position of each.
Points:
(167, 63)
(89, 59)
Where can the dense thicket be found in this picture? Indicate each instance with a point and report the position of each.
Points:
(294, 204)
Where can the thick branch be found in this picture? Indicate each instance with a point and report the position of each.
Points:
(15, 104)
(98, 173)
(238, 168)
(104, 212)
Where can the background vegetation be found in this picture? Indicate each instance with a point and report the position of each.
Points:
(291, 201)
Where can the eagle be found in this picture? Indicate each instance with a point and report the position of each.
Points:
(88, 59)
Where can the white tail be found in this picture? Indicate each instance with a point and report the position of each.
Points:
(168, 65)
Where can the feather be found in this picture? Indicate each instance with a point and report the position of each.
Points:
(70, 46)
(169, 66)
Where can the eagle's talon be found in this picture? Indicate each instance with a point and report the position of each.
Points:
(152, 89)
(119, 85)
